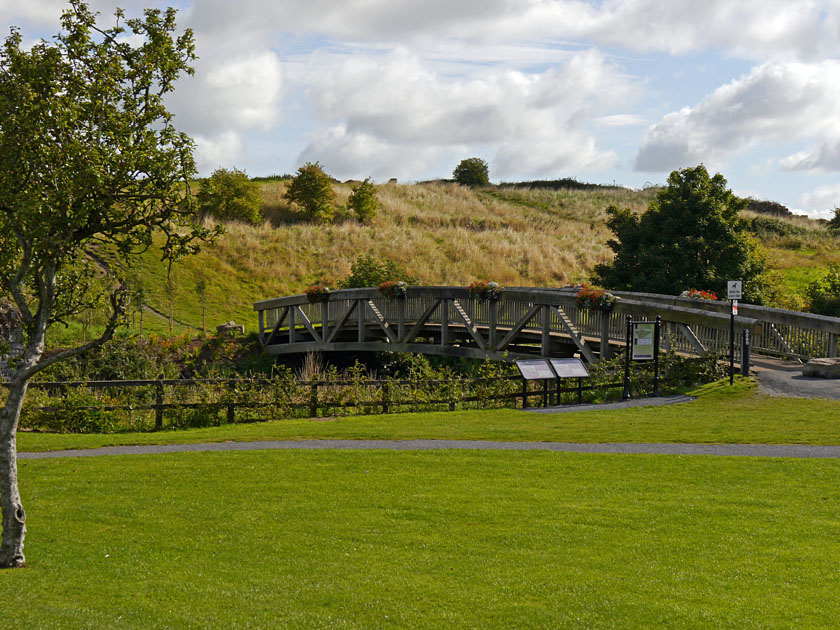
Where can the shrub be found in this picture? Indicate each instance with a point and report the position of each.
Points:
(595, 298)
(230, 196)
(363, 201)
(824, 293)
(472, 172)
(393, 290)
(366, 271)
(311, 188)
(485, 290)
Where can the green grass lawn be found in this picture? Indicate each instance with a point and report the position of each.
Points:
(363, 539)
(722, 414)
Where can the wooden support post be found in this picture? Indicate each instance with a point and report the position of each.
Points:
(291, 324)
(231, 408)
(262, 328)
(400, 320)
(493, 308)
(360, 312)
(313, 400)
(545, 350)
(325, 320)
(606, 350)
(158, 405)
(386, 398)
(444, 322)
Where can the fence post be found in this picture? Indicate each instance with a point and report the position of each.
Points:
(628, 351)
(231, 406)
(386, 397)
(313, 400)
(158, 405)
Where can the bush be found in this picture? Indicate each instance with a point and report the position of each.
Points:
(824, 293)
(363, 201)
(230, 196)
(472, 172)
(691, 236)
(366, 271)
(311, 188)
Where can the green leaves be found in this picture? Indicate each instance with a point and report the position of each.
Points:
(311, 188)
(230, 196)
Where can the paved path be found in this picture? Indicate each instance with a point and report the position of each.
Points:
(778, 377)
(744, 450)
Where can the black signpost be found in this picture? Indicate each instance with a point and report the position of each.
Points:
(570, 368)
(535, 370)
(733, 294)
(642, 344)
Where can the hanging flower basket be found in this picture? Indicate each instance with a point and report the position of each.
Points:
(317, 293)
(485, 290)
(393, 289)
(694, 294)
(595, 298)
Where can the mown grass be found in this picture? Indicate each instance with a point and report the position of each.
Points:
(720, 415)
(333, 539)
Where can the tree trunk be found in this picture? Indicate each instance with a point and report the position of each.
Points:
(14, 518)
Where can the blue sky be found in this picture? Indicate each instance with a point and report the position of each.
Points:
(617, 90)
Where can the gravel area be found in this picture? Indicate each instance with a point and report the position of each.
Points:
(778, 377)
(743, 450)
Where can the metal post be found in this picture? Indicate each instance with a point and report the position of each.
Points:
(745, 354)
(545, 392)
(656, 328)
(733, 306)
(524, 393)
(313, 400)
(580, 390)
(158, 405)
(628, 342)
(386, 398)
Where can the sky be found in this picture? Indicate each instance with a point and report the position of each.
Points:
(605, 91)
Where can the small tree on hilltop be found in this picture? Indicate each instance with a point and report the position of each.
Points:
(88, 157)
(367, 271)
(690, 238)
(311, 188)
(833, 224)
(363, 201)
(230, 196)
(472, 172)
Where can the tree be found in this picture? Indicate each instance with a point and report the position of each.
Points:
(230, 196)
(311, 188)
(367, 271)
(363, 201)
(834, 223)
(89, 158)
(690, 238)
(472, 172)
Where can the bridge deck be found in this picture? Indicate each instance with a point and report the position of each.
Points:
(524, 322)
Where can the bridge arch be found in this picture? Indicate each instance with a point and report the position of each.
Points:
(524, 322)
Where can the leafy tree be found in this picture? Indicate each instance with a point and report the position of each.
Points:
(472, 172)
(834, 222)
(311, 188)
(363, 201)
(88, 157)
(367, 271)
(824, 293)
(230, 196)
(690, 238)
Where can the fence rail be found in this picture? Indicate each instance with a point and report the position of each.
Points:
(526, 322)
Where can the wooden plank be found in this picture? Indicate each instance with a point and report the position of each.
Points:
(462, 314)
(575, 336)
(692, 339)
(341, 322)
(517, 328)
(377, 316)
(276, 326)
(418, 326)
(307, 323)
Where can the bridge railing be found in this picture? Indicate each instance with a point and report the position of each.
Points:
(525, 321)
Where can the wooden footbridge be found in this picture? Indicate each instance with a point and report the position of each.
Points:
(526, 322)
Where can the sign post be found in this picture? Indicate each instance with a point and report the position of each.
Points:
(733, 294)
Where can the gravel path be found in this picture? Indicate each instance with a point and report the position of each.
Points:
(778, 377)
(743, 450)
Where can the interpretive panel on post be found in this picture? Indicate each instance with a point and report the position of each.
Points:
(535, 369)
(643, 341)
(569, 368)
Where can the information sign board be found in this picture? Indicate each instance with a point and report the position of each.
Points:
(535, 369)
(733, 290)
(569, 368)
(643, 341)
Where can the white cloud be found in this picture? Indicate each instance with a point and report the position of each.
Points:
(532, 122)
(781, 102)
(820, 203)
(222, 149)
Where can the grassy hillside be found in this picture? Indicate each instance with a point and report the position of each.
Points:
(443, 233)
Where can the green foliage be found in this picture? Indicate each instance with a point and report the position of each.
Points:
(824, 293)
(89, 157)
(363, 201)
(472, 172)
(834, 223)
(230, 196)
(764, 227)
(690, 236)
(311, 188)
(367, 271)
